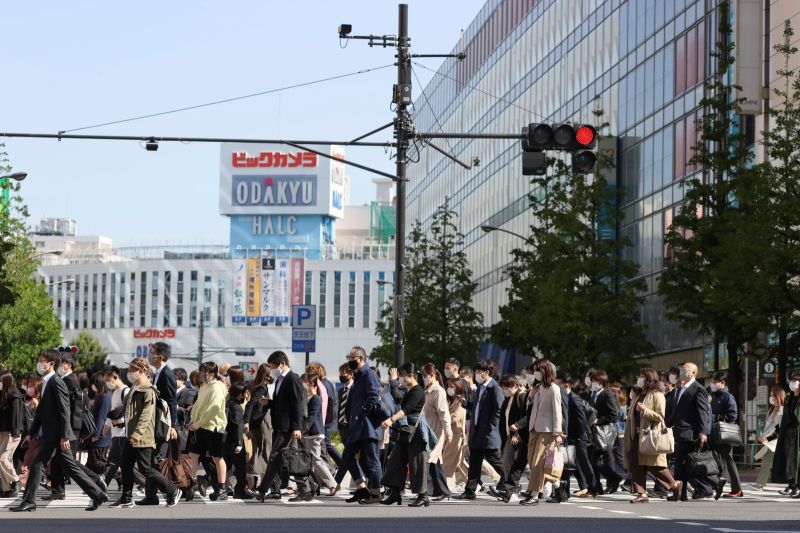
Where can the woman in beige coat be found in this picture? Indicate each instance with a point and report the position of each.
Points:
(453, 463)
(437, 414)
(646, 411)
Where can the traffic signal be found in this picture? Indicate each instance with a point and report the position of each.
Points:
(68, 348)
(579, 139)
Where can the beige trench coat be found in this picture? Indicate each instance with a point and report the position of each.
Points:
(437, 413)
(654, 406)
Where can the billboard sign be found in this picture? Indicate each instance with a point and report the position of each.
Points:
(304, 328)
(265, 288)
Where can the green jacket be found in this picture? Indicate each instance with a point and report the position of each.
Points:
(140, 416)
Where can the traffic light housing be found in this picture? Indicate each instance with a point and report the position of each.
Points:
(580, 139)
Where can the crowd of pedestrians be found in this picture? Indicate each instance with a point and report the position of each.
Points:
(442, 433)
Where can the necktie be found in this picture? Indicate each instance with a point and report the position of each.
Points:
(342, 405)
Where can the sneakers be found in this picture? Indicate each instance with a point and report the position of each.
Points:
(173, 498)
(122, 502)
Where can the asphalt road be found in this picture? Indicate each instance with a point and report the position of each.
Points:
(757, 512)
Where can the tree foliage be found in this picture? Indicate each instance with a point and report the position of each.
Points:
(92, 355)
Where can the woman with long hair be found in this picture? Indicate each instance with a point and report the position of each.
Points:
(769, 435)
(454, 465)
(647, 412)
(787, 449)
(257, 424)
(437, 414)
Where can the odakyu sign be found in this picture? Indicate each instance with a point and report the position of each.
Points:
(273, 180)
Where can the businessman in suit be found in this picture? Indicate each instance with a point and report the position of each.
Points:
(167, 386)
(484, 432)
(690, 419)
(52, 424)
(578, 435)
(606, 404)
(331, 416)
(286, 410)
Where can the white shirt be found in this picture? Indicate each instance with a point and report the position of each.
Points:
(45, 380)
(680, 391)
(116, 402)
(481, 392)
(279, 381)
(158, 373)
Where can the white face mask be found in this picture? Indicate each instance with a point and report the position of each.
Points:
(587, 381)
(530, 379)
(41, 369)
(133, 377)
(773, 401)
(794, 385)
(714, 387)
(673, 379)
(640, 382)
(662, 387)
(60, 371)
(479, 377)
(275, 373)
(427, 380)
(595, 386)
(537, 376)
(448, 373)
(110, 385)
(451, 391)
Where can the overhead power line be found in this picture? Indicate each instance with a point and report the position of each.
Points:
(233, 99)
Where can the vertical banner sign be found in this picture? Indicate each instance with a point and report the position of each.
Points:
(282, 292)
(267, 290)
(253, 291)
(239, 291)
(298, 281)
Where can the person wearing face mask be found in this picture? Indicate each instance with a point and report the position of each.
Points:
(52, 425)
(208, 422)
(579, 436)
(786, 462)
(314, 434)
(12, 426)
(287, 408)
(116, 419)
(606, 403)
(690, 419)
(257, 423)
(452, 367)
(723, 409)
(514, 444)
(646, 412)
(437, 415)
(99, 442)
(769, 435)
(235, 456)
(454, 464)
(484, 430)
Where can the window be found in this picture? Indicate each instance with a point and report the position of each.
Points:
(365, 301)
(154, 300)
(337, 298)
(179, 310)
(686, 136)
(207, 300)
(323, 296)
(690, 53)
(143, 300)
(94, 301)
(193, 299)
(131, 303)
(221, 299)
(351, 301)
(122, 293)
(113, 311)
(167, 300)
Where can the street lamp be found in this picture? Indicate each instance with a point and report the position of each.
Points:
(6, 195)
(16, 176)
(68, 281)
(42, 254)
(489, 229)
(384, 282)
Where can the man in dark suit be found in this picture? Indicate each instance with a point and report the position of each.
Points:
(690, 419)
(286, 411)
(606, 404)
(578, 435)
(184, 399)
(331, 417)
(364, 413)
(52, 424)
(164, 380)
(484, 432)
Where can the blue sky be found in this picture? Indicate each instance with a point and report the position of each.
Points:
(72, 64)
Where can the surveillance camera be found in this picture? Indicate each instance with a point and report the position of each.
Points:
(151, 145)
(344, 30)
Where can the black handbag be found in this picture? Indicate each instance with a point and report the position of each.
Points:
(568, 452)
(604, 437)
(88, 426)
(296, 460)
(702, 463)
(727, 434)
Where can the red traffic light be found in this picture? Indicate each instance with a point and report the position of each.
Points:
(585, 136)
(73, 349)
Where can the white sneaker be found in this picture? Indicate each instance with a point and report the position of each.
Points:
(757, 487)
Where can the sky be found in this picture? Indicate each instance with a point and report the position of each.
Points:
(67, 65)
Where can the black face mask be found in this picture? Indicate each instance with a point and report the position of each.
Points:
(344, 379)
(353, 364)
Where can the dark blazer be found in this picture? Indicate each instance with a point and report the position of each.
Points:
(314, 420)
(53, 415)
(168, 391)
(100, 409)
(578, 427)
(668, 397)
(184, 400)
(234, 431)
(254, 412)
(288, 405)
(364, 408)
(607, 406)
(12, 416)
(76, 403)
(484, 432)
(332, 415)
(723, 407)
(691, 414)
(515, 413)
(564, 411)
(341, 428)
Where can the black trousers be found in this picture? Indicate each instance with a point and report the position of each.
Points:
(239, 463)
(476, 458)
(58, 470)
(404, 458)
(96, 462)
(114, 459)
(584, 471)
(331, 449)
(68, 466)
(518, 465)
(151, 488)
(610, 469)
(729, 469)
(272, 479)
(437, 483)
(143, 459)
(682, 449)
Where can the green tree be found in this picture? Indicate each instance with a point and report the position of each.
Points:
(92, 356)
(27, 320)
(573, 297)
(440, 319)
(713, 284)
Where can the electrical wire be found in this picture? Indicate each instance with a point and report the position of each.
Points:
(474, 88)
(436, 118)
(233, 99)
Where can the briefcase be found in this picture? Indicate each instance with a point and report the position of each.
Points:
(702, 463)
(604, 437)
(296, 460)
(726, 433)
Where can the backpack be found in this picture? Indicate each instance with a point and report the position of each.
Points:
(163, 420)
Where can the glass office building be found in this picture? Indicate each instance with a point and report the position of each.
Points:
(643, 62)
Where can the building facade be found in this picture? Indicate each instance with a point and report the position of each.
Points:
(642, 63)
